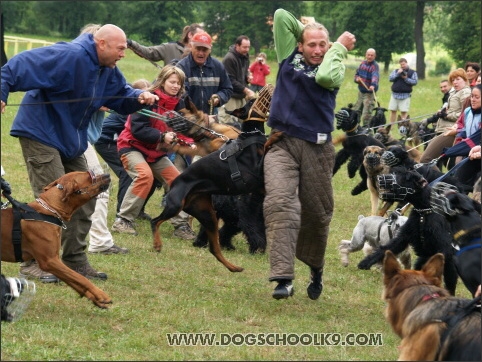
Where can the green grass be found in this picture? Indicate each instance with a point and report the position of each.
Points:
(184, 289)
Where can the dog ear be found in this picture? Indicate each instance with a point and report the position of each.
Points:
(52, 184)
(388, 128)
(433, 269)
(391, 267)
(68, 189)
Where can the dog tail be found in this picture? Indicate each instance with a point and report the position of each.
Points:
(339, 139)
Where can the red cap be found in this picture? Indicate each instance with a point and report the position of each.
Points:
(202, 40)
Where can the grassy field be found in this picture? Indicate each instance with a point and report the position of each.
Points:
(185, 290)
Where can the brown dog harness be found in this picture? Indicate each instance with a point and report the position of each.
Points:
(25, 212)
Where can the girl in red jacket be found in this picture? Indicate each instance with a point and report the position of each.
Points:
(143, 146)
(259, 70)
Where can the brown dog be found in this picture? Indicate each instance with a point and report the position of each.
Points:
(41, 240)
(433, 325)
(207, 134)
(383, 135)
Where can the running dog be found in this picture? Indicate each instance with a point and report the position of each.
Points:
(33, 230)
(433, 325)
(426, 231)
(235, 169)
(374, 231)
(463, 215)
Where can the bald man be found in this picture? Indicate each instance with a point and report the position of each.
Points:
(65, 84)
(367, 77)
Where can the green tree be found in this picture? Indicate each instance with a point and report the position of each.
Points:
(226, 20)
(386, 26)
(463, 31)
(419, 40)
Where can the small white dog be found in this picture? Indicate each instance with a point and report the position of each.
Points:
(372, 232)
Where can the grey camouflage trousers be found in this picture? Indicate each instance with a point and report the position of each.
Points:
(298, 206)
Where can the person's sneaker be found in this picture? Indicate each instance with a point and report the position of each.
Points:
(87, 271)
(123, 226)
(143, 216)
(31, 270)
(283, 290)
(114, 249)
(184, 232)
(316, 284)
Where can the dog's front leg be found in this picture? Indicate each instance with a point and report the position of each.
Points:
(341, 157)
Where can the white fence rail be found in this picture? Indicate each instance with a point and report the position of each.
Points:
(23, 43)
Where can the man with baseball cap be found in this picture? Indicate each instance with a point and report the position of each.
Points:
(206, 79)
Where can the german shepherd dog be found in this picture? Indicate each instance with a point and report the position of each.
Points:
(207, 134)
(433, 325)
(373, 167)
(384, 136)
(426, 231)
(410, 131)
(463, 215)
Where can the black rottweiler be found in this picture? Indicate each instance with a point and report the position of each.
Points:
(239, 213)
(234, 169)
(463, 215)
(426, 231)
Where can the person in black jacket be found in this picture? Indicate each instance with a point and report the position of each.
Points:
(236, 62)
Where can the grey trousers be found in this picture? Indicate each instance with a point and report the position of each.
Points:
(44, 165)
(299, 203)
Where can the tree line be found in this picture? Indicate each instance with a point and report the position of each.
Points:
(389, 27)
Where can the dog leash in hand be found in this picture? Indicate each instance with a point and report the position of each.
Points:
(374, 94)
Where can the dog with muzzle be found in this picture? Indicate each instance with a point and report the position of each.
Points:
(370, 233)
(372, 167)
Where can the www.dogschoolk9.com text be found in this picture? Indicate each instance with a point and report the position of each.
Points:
(274, 339)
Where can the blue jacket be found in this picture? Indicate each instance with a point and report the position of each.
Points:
(204, 81)
(64, 86)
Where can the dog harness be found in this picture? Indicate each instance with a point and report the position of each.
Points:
(233, 148)
(452, 319)
(25, 212)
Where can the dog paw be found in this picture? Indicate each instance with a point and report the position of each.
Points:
(344, 244)
(364, 265)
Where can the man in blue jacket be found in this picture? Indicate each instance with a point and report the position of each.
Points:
(207, 81)
(65, 84)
